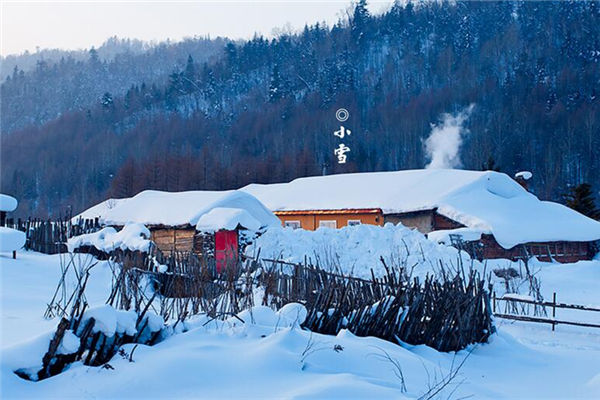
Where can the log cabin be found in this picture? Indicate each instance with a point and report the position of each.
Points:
(486, 213)
(202, 222)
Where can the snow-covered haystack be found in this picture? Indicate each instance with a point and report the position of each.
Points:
(357, 249)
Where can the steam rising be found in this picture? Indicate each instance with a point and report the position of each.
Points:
(443, 144)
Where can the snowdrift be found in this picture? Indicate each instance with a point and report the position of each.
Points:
(11, 239)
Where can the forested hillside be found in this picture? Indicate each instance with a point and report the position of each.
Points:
(43, 85)
(264, 110)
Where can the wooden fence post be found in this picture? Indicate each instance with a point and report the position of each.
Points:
(494, 302)
(553, 309)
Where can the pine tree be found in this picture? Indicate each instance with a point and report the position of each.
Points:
(276, 87)
(360, 22)
(189, 76)
(490, 165)
(107, 100)
(581, 198)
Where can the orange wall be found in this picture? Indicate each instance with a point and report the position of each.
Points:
(310, 221)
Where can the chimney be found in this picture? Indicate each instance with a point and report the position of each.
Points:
(523, 178)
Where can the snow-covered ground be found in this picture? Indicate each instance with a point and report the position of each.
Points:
(266, 360)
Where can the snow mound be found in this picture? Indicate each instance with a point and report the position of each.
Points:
(290, 315)
(295, 313)
(358, 249)
(7, 203)
(111, 321)
(11, 239)
(134, 237)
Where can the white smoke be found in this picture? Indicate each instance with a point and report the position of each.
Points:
(444, 141)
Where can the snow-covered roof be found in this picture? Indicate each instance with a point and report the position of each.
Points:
(485, 200)
(227, 218)
(98, 210)
(7, 203)
(210, 210)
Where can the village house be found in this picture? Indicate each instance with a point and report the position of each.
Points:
(195, 221)
(486, 213)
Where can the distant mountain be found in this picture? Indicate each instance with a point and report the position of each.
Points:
(218, 114)
(27, 61)
(41, 86)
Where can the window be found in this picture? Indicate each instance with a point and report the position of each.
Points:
(353, 222)
(328, 224)
(292, 224)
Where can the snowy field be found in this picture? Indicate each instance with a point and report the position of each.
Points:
(268, 360)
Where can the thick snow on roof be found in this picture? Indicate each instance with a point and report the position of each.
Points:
(153, 207)
(227, 218)
(485, 200)
(7, 203)
(98, 210)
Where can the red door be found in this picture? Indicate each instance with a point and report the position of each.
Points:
(226, 249)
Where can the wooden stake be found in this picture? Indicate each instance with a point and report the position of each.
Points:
(553, 308)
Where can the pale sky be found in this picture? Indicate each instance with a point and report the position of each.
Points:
(82, 24)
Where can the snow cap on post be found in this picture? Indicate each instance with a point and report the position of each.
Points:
(523, 178)
(525, 175)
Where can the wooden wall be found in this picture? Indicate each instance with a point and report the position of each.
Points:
(310, 220)
(425, 221)
(561, 251)
(172, 239)
(440, 222)
(421, 220)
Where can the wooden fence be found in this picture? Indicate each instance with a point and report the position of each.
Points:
(50, 236)
(511, 301)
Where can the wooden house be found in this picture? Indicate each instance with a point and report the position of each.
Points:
(202, 222)
(487, 213)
